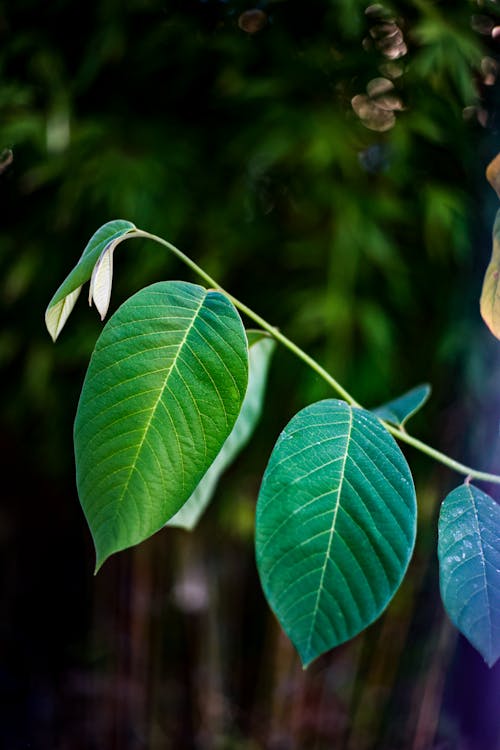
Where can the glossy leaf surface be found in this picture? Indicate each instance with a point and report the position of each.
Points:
(63, 301)
(162, 392)
(260, 350)
(469, 567)
(490, 294)
(400, 409)
(335, 525)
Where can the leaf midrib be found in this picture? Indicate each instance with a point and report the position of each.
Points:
(332, 531)
(483, 568)
(155, 406)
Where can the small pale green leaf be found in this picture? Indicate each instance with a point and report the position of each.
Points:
(490, 295)
(60, 306)
(162, 392)
(400, 409)
(261, 347)
(469, 567)
(101, 281)
(335, 526)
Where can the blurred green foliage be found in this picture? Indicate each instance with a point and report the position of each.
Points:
(242, 147)
(244, 150)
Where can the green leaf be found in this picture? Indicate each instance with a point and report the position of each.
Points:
(490, 294)
(63, 301)
(335, 525)
(400, 409)
(469, 567)
(162, 392)
(261, 347)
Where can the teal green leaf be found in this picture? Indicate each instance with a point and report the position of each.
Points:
(335, 526)
(469, 567)
(400, 409)
(162, 392)
(260, 349)
(63, 301)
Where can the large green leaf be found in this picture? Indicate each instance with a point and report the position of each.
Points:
(469, 567)
(63, 301)
(490, 294)
(399, 410)
(335, 526)
(162, 392)
(260, 349)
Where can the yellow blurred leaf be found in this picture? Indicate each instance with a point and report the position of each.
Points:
(490, 295)
(493, 174)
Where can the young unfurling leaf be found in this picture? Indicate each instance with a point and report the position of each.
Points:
(399, 410)
(63, 301)
(101, 281)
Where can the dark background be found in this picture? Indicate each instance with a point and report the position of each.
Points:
(229, 130)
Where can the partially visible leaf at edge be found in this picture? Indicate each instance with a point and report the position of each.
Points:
(469, 567)
(493, 174)
(260, 349)
(490, 294)
(400, 409)
(63, 301)
(162, 392)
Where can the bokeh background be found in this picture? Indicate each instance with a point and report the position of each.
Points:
(324, 160)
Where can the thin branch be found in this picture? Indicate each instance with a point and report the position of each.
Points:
(398, 433)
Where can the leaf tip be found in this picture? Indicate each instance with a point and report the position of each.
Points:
(307, 657)
(57, 313)
(100, 559)
(490, 661)
(53, 332)
(104, 548)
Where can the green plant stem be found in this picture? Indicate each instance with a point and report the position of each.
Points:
(401, 435)
(254, 316)
(441, 457)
